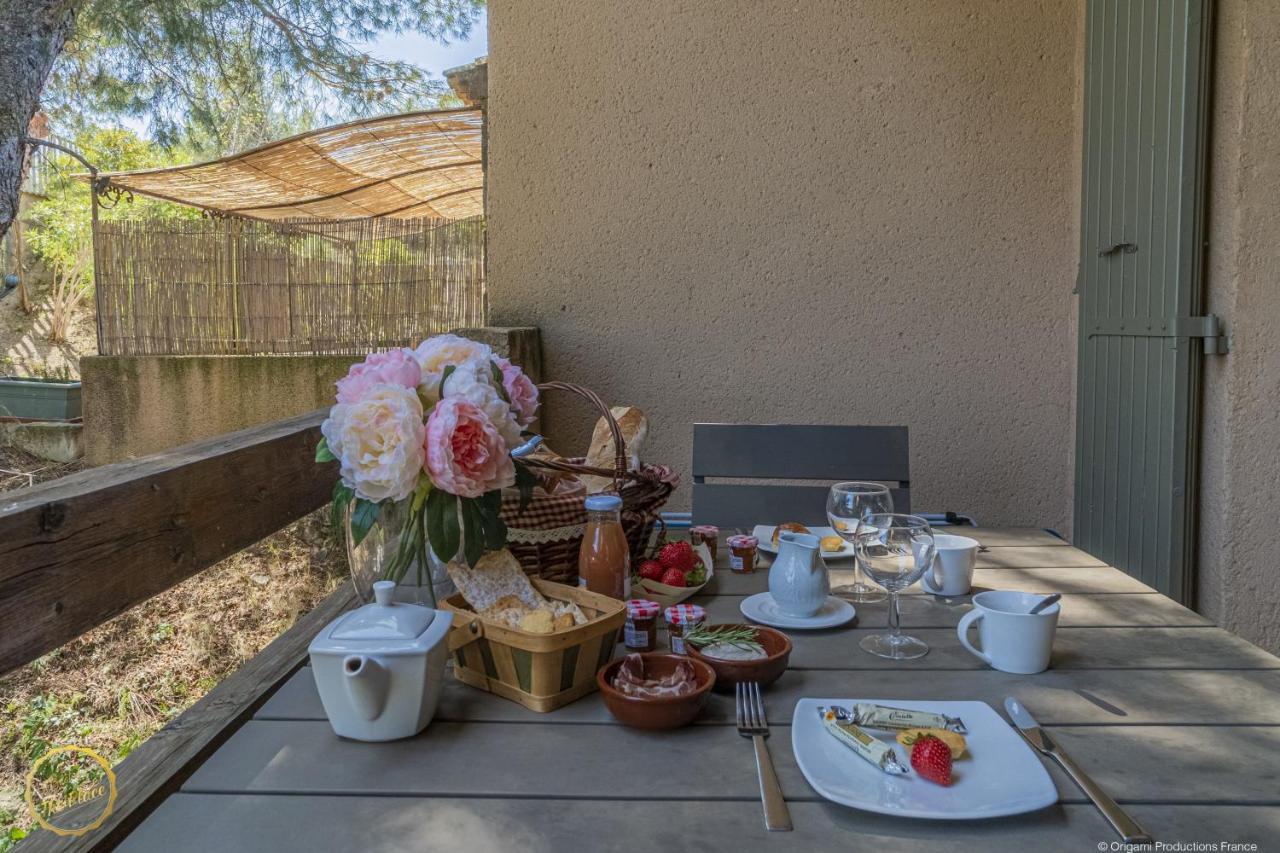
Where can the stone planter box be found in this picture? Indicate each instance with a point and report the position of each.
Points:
(32, 399)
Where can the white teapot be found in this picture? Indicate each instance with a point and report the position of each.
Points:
(798, 579)
(379, 669)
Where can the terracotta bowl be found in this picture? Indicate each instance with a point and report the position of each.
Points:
(764, 670)
(668, 712)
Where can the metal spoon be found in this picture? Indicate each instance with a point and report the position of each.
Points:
(1045, 602)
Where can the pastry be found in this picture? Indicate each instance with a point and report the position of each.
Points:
(832, 543)
(788, 527)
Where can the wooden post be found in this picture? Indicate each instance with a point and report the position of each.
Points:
(93, 239)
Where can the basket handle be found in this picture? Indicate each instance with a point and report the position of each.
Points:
(619, 471)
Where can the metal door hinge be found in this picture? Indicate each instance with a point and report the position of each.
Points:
(1206, 328)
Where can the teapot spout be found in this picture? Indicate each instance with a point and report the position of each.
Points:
(367, 683)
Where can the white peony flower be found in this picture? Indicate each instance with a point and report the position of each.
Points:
(438, 352)
(474, 383)
(379, 442)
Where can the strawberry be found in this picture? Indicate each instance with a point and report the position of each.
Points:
(673, 577)
(651, 570)
(676, 555)
(932, 759)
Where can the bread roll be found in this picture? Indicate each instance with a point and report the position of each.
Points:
(635, 429)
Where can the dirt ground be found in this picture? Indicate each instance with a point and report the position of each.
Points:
(118, 684)
(25, 349)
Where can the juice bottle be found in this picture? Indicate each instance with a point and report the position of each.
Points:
(604, 563)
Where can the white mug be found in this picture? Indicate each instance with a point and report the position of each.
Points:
(1010, 638)
(952, 571)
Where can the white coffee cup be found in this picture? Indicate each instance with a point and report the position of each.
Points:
(952, 571)
(1010, 638)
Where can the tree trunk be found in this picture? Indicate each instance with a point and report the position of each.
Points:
(32, 33)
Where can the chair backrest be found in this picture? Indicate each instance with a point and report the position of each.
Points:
(790, 452)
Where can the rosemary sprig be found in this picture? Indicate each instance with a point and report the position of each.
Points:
(742, 636)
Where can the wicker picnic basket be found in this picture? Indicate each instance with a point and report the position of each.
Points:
(547, 534)
(540, 671)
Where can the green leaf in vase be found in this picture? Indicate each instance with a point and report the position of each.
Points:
(342, 495)
(442, 524)
(323, 453)
(473, 532)
(495, 529)
(363, 517)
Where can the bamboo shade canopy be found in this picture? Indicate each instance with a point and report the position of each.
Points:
(413, 165)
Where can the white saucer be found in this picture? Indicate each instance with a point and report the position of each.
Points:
(763, 609)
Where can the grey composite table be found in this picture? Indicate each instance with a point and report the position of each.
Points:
(1176, 718)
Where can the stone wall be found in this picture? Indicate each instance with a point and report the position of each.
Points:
(135, 405)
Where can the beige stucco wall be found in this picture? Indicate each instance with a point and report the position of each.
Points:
(1239, 579)
(839, 211)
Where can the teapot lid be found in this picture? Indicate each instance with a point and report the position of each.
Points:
(384, 619)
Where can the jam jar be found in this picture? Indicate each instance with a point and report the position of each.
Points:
(742, 553)
(681, 619)
(705, 534)
(641, 632)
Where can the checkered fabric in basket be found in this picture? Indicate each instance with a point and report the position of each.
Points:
(547, 535)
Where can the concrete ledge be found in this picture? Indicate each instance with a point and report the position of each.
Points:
(57, 442)
(135, 405)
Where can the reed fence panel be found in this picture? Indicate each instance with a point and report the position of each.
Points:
(229, 286)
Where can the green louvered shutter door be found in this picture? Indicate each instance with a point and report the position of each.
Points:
(1141, 339)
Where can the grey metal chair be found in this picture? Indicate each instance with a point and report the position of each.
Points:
(790, 452)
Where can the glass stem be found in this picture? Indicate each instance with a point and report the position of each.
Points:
(894, 629)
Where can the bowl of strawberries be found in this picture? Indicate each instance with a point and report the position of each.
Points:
(674, 572)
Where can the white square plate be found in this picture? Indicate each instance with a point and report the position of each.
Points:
(764, 532)
(999, 774)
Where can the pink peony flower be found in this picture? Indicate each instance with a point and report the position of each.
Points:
(474, 382)
(465, 454)
(394, 367)
(521, 390)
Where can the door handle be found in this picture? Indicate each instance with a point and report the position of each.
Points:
(1126, 248)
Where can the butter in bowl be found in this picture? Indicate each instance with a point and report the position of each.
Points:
(740, 653)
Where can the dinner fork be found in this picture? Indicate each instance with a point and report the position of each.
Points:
(752, 724)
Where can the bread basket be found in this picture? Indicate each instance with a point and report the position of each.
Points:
(542, 672)
(546, 534)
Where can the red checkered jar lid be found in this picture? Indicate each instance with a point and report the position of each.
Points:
(685, 614)
(640, 608)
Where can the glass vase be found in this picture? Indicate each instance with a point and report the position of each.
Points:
(374, 559)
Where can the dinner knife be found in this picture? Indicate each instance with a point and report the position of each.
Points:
(1119, 819)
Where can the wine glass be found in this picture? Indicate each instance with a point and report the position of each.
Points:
(895, 550)
(848, 504)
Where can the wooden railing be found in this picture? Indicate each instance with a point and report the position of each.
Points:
(77, 551)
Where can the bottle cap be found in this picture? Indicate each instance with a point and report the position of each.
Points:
(603, 502)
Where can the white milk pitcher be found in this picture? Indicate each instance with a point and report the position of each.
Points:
(798, 578)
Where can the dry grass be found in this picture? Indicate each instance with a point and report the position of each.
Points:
(115, 686)
(72, 284)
